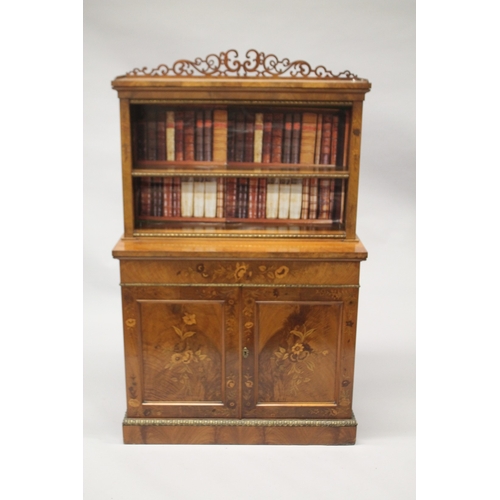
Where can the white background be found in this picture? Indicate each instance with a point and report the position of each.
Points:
(373, 39)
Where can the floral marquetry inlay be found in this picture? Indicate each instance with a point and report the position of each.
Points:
(255, 64)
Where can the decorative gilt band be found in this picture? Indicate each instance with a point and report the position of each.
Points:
(341, 235)
(227, 422)
(251, 285)
(208, 173)
(253, 102)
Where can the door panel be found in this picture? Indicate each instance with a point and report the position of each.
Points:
(294, 337)
(186, 340)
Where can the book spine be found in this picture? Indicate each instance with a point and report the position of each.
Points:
(335, 136)
(257, 144)
(324, 199)
(151, 127)
(231, 192)
(239, 137)
(277, 138)
(295, 198)
(261, 198)
(176, 197)
(145, 196)
(187, 196)
(231, 135)
(220, 198)
(284, 199)
(170, 135)
(142, 132)
(207, 135)
(199, 197)
(331, 203)
(159, 195)
(253, 190)
(326, 140)
(220, 138)
(242, 198)
(313, 198)
(340, 217)
(272, 197)
(179, 135)
(296, 129)
(319, 134)
(189, 126)
(167, 196)
(210, 197)
(248, 152)
(346, 139)
(287, 139)
(267, 138)
(304, 212)
(337, 200)
(161, 143)
(198, 136)
(307, 143)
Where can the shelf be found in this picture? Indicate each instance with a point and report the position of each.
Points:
(338, 174)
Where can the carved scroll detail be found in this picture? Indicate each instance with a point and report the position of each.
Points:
(255, 64)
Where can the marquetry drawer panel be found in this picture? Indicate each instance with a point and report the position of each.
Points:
(248, 272)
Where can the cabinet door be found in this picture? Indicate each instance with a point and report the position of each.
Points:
(300, 357)
(181, 351)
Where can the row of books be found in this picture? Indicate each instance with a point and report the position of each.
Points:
(241, 198)
(242, 135)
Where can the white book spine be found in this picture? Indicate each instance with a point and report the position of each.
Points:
(295, 199)
(187, 196)
(210, 197)
(199, 197)
(272, 197)
(284, 199)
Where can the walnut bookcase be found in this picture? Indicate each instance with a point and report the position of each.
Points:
(239, 261)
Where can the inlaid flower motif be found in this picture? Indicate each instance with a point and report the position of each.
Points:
(297, 348)
(176, 358)
(230, 383)
(281, 272)
(241, 270)
(187, 357)
(249, 383)
(189, 319)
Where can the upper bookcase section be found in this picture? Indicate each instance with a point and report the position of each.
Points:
(258, 77)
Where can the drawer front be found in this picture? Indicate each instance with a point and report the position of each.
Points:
(232, 272)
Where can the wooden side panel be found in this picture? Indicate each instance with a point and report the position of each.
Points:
(181, 351)
(301, 352)
(126, 140)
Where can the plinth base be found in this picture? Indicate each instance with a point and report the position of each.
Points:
(245, 431)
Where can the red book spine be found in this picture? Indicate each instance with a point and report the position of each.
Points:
(176, 197)
(239, 140)
(161, 138)
(231, 197)
(167, 196)
(199, 137)
(266, 138)
(337, 200)
(324, 199)
(346, 138)
(287, 139)
(331, 192)
(253, 190)
(179, 135)
(189, 135)
(145, 196)
(277, 138)
(231, 135)
(151, 132)
(313, 198)
(296, 129)
(326, 140)
(335, 136)
(207, 135)
(304, 212)
(249, 137)
(261, 198)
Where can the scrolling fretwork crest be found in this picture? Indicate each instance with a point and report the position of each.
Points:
(256, 64)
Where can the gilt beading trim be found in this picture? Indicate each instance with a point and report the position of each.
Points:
(256, 64)
(251, 422)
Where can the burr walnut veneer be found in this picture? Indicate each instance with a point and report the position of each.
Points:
(240, 328)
